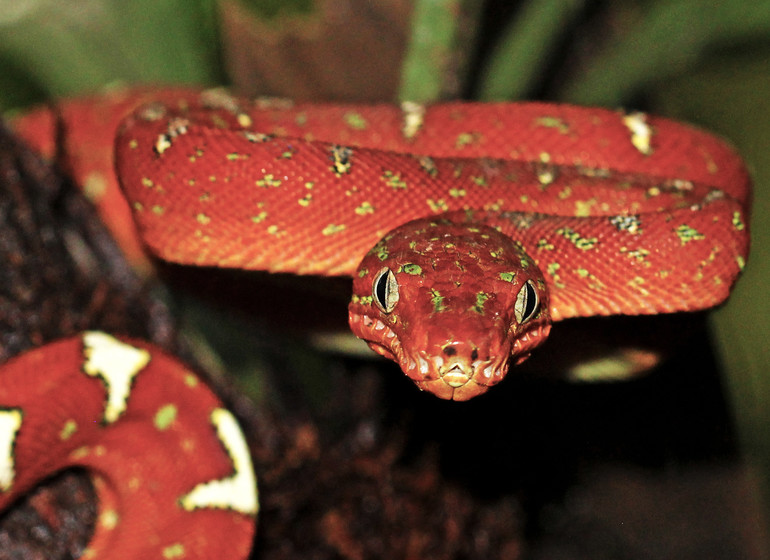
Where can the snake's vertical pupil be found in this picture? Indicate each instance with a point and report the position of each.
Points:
(527, 303)
(385, 290)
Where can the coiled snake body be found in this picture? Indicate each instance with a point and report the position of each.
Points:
(478, 224)
(467, 229)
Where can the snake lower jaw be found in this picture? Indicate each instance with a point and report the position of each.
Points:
(456, 376)
(440, 388)
(450, 379)
(454, 380)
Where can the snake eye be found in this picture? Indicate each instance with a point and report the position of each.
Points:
(527, 303)
(385, 290)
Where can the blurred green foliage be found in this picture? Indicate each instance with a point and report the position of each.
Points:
(435, 35)
(50, 48)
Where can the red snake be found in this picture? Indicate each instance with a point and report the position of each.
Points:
(478, 224)
(467, 228)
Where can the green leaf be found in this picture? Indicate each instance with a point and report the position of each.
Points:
(62, 48)
(525, 47)
(669, 38)
(436, 48)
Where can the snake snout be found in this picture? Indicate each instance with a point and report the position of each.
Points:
(453, 375)
(456, 375)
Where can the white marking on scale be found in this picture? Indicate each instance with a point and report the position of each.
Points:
(641, 132)
(412, 115)
(236, 492)
(116, 364)
(10, 422)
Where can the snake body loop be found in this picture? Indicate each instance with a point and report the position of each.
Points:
(590, 211)
(129, 415)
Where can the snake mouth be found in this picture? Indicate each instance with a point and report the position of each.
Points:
(460, 380)
(456, 380)
(456, 375)
(450, 378)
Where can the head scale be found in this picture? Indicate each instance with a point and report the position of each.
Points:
(453, 303)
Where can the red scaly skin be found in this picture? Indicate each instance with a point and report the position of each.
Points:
(616, 213)
(140, 423)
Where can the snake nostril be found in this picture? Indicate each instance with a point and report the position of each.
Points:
(449, 350)
(474, 355)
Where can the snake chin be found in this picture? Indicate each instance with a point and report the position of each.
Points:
(456, 378)
(459, 377)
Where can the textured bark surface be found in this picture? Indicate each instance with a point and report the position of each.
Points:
(61, 273)
(337, 50)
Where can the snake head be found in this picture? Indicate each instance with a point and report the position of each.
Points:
(453, 303)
